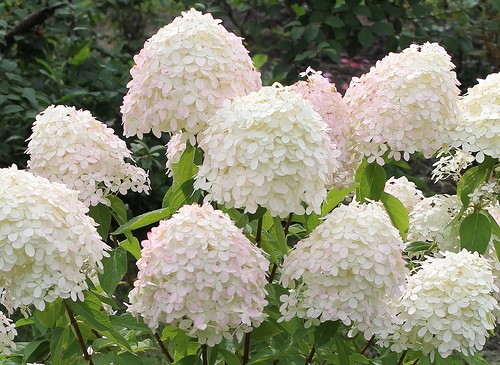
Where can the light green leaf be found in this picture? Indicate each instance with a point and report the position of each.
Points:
(131, 244)
(279, 235)
(397, 212)
(333, 198)
(143, 220)
(115, 267)
(118, 209)
(259, 60)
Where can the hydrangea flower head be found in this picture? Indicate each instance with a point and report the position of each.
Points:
(348, 269)
(407, 103)
(48, 243)
(451, 165)
(7, 334)
(480, 107)
(430, 218)
(200, 273)
(406, 191)
(269, 149)
(70, 146)
(328, 102)
(448, 306)
(183, 74)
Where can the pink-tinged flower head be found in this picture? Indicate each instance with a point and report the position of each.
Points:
(200, 273)
(70, 146)
(407, 103)
(327, 101)
(183, 74)
(348, 269)
(448, 306)
(47, 241)
(7, 334)
(270, 149)
(480, 130)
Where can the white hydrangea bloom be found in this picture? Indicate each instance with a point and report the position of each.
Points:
(447, 306)
(451, 165)
(48, 243)
(200, 273)
(348, 269)
(406, 191)
(269, 148)
(176, 147)
(183, 74)
(407, 103)
(480, 130)
(430, 218)
(7, 334)
(70, 146)
(328, 102)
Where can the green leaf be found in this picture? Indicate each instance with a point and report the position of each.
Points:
(180, 196)
(185, 169)
(128, 321)
(475, 232)
(279, 235)
(397, 212)
(333, 198)
(265, 331)
(131, 244)
(115, 267)
(102, 215)
(229, 357)
(371, 182)
(143, 220)
(49, 316)
(334, 22)
(311, 32)
(365, 37)
(97, 319)
(259, 60)
(81, 56)
(189, 360)
(325, 332)
(382, 28)
(469, 182)
(418, 246)
(342, 351)
(58, 342)
(496, 4)
(36, 350)
(118, 209)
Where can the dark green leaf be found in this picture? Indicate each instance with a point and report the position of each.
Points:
(180, 196)
(115, 267)
(95, 318)
(36, 350)
(365, 37)
(342, 351)
(311, 32)
(334, 22)
(279, 235)
(475, 232)
(469, 182)
(325, 332)
(371, 182)
(102, 215)
(128, 321)
(229, 357)
(143, 220)
(383, 29)
(189, 360)
(418, 246)
(397, 212)
(118, 209)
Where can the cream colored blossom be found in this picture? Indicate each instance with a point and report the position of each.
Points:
(200, 273)
(430, 219)
(328, 102)
(451, 165)
(268, 149)
(7, 334)
(48, 243)
(480, 130)
(406, 191)
(70, 146)
(447, 306)
(407, 103)
(183, 74)
(348, 269)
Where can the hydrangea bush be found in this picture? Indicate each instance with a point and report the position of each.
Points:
(281, 240)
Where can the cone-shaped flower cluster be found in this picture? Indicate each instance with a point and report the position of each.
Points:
(406, 191)
(480, 130)
(47, 241)
(200, 273)
(408, 102)
(7, 334)
(347, 269)
(70, 146)
(430, 218)
(328, 102)
(183, 74)
(447, 306)
(269, 148)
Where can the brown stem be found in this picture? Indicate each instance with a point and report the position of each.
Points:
(367, 346)
(258, 236)
(163, 348)
(311, 356)
(204, 355)
(271, 275)
(78, 334)
(415, 362)
(246, 349)
(288, 223)
(402, 357)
